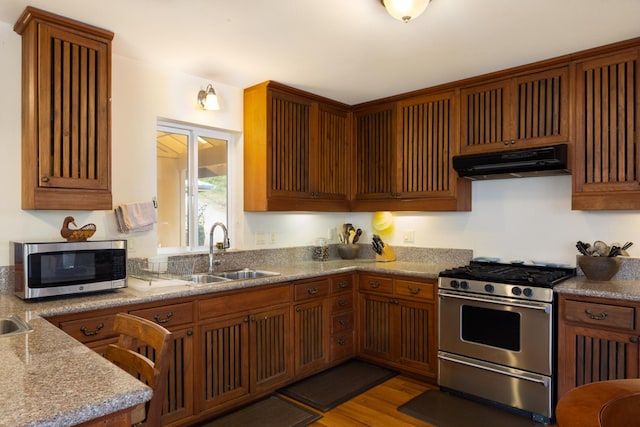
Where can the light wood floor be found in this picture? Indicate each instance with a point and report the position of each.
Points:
(376, 407)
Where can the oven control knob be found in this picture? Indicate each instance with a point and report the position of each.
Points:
(464, 284)
(516, 291)
(527, 292)
(488, 287)
(454, 284)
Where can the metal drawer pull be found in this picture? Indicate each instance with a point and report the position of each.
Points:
(312, 291)
(165, 320)
(601, 316)
(374, 285)
(342, 341)
(343, 322)
(343, 284)
(342, 302)
(413, 291)
(92, 333)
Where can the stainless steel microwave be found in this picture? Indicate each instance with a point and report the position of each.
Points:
(48, 269)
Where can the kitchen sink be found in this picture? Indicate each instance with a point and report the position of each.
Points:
(202, 279)
(13, 325)
(245, 274)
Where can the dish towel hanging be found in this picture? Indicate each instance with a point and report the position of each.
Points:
(135, 217)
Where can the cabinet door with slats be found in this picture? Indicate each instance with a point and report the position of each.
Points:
(331, 158)
(426, 146)
(375, 152)
(606, 174)
(289, 155)
(310, 331)
(540, 106)
(376, 328)
(271, 353)
(484, 116)
(73, 111)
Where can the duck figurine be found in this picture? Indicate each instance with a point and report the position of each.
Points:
(76, 235)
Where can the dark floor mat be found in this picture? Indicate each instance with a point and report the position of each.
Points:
(270, 412)
(330, 388)
(445, 410)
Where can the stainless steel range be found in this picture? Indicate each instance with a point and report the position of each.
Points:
(497, 335)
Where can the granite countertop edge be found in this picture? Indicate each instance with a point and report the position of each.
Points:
(621, 289)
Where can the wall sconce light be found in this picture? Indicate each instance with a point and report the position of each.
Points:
(405, 10)
(207, 99)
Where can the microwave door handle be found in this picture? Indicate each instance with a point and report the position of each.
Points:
(546, 308)
(544, 382)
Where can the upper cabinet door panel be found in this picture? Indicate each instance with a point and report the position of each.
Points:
(73, 108)
(290, 144)
(374, 150)
(331, 173)
(541, 107)
(484, 112)
(426, 146)
(606, 153)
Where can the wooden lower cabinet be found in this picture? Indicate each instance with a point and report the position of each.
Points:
(398, 323)
(597, 341)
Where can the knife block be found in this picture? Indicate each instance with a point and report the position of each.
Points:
(386, 255)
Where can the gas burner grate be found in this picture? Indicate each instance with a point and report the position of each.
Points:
(511, 274)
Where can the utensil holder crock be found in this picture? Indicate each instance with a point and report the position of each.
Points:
(600, 268)
(349, 251)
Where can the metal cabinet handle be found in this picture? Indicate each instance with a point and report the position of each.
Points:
(394, 301)
(189, 332)
(634, 339)
(600, 316)
(343, 322)
(312, 291)
(298, 309)
(413, 291)
(88, 333)
(45, 179)
(342, 302)
(343, 285)
(157, 318)
(246, 319)
(374, 285)
(342, 341)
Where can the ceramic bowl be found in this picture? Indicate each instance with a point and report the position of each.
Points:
(599, 268)
(349, 251)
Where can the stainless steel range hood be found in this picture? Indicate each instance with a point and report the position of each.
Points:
(544, 161)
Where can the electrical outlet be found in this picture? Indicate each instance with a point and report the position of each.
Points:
(273, 238)
(331, 234)
(260, 239)
(409, 236)
(131, 245)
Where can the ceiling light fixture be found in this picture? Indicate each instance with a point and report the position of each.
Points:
(405, 10)
(207, 99)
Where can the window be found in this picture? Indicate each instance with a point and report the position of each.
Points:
(192, 184)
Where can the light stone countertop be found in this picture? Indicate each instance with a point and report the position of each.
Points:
(624, 289)
(50, 379)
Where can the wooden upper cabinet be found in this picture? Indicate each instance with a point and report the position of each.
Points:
(66, 95)
(403, 156)
(375, 131)
(606, 174)
(295, 150)
(532, 109)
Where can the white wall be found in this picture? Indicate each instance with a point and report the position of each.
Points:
(527, 219)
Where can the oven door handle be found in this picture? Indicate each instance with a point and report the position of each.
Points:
(544, 382)
(543, 307)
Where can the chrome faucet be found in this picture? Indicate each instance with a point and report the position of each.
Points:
(225, 243)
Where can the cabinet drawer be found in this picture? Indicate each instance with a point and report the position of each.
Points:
(90, 329)
(243, 302)
(376, 284)
(341, 303)
(341, 322)
(420, 290)
(315, 289)
(612, 316)
(168, 315)
(342, 346)
(341, 283)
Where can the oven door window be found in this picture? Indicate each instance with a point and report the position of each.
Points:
(495, 328)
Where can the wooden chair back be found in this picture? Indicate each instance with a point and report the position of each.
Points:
(136, 332)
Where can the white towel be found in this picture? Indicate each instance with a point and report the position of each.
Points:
(135, 217)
